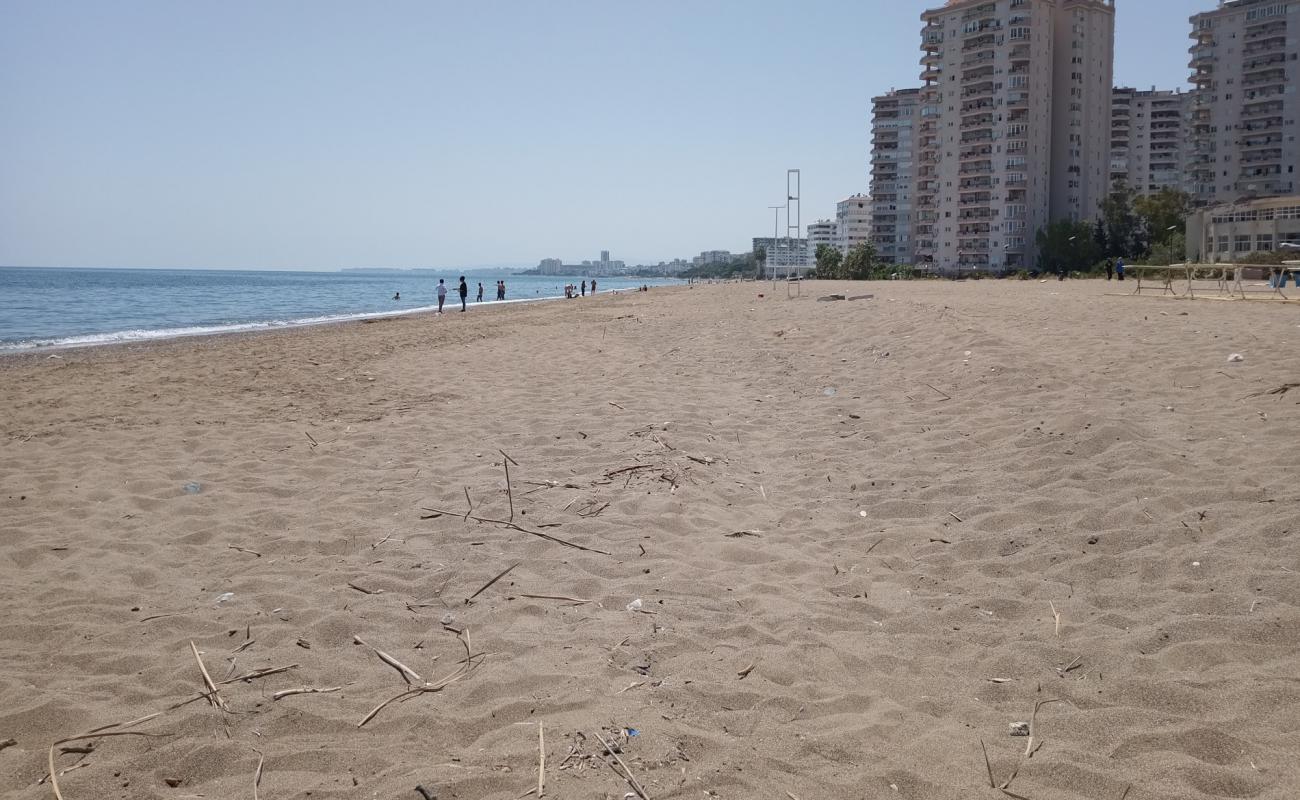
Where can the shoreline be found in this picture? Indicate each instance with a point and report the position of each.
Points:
(259, 328)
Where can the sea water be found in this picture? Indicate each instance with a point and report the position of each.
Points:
(41, 308)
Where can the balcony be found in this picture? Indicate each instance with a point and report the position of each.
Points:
(1272, 156)
(1272, 44)
(973, 229)
(977, 168)
(1261, 110)
(931, 73)
(982, 135)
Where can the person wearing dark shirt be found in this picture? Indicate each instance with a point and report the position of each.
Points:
(463, 289)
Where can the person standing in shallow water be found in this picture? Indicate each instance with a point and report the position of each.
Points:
(480, 292)
(593, 285)
(584, 288)
(442, 294)
(501, 290)
(463, 291)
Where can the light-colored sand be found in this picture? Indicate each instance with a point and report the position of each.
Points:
(904, 550)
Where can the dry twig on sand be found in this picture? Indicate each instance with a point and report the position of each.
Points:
(541, 761)
(466, 667)
(434, 513)
(244, 550)
(97, 733)
(214, 697)
(510, 495)
(627, 772)
(574, 600)
(499, 576)
(257, 776)
(409, 675)
(1057, 615)
(304, 690)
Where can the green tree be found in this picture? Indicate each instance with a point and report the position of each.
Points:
(1165, 213)
(1171, 251)
(860, 264)
(829, 260)
(1126, 231)
(1068, 245)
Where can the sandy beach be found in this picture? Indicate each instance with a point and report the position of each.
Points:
(762, 547)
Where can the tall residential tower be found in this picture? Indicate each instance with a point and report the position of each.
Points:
(894, 121)
(1001, 77)
(1147, 138)
(1245, 108)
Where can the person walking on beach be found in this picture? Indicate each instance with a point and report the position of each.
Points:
(463, 290)
(1119, 269)
(584, 288)
(480, 292)
(501, 290)
(593, 285)
(1110, 269)
(442, 294)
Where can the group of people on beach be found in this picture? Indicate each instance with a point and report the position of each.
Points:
(571, 290)
(462, 289)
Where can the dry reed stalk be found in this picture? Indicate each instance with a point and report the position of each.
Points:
(499, 576)
(1057, 615)
(257, 776)
(304, 690)
(437, 512)
(96, 734)
(541, 760)
(1029, 744)
(627, 772)
(213, 696)
(409, 675)
(576, 600)
(466, 667)
(244, 550)
(257, 673)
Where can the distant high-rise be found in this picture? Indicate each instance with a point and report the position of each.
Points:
(1245, 108)
(820, 232)
(895, 118)
(853, 220)
(1014, 124)
(1147, 139)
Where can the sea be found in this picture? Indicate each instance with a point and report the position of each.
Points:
(56, 308)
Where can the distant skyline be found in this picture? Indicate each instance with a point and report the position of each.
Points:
(323, 135)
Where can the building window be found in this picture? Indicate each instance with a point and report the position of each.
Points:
(1241, 243)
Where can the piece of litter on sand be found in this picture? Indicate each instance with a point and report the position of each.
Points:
(862, 513)
(193, 487)
(223, 597)
(1236, 357)
(829, 391)
(1018, 728)
(635, 605)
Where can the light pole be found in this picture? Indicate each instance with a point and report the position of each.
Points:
(776, 221)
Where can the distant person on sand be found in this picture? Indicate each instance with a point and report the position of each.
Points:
(584, 288)
(480, 292)
(593, 285)
(442, 294)
(1110, 269)
(1119, 269)
(463, 290)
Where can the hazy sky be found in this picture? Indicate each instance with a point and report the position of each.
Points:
(324, 134)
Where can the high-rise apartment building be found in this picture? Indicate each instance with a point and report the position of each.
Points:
(1013, 126)
(894, 120)
(820, 232)
(1147, 138)
(853, 222)
(1245, 108)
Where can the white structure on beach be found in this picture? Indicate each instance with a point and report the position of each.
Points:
(1014, 126)
(1147, 138)
(1231, 231)
(1245, 107)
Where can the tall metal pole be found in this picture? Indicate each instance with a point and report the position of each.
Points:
(771, 254)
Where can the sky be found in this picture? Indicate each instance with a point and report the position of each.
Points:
(321, 134)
